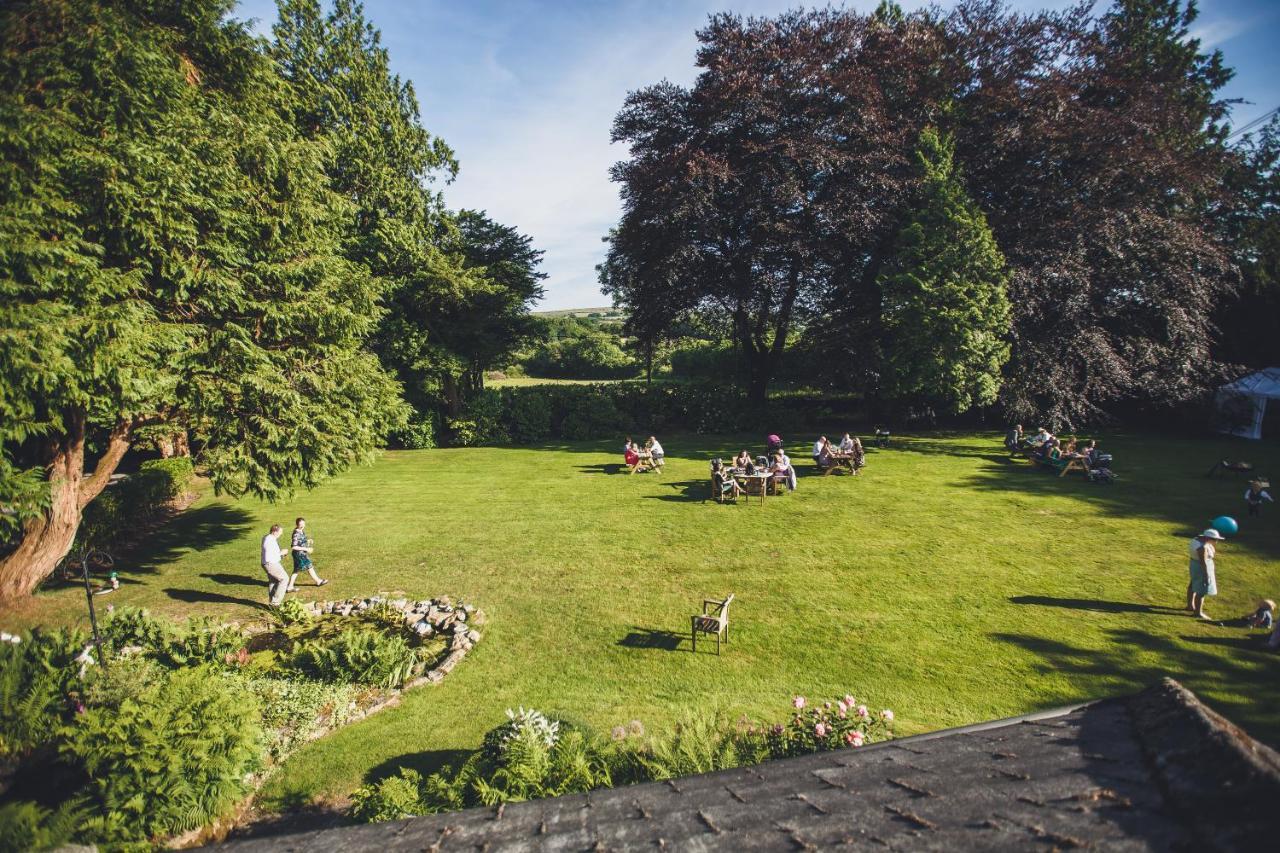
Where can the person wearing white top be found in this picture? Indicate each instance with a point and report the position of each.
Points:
(277, 578)
(818, 445)
(656, 454)
(846, 443)
(1204, 581)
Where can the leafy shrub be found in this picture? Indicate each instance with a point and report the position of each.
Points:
(528, 417)
(419, 433)
(697, 743)
(528, 765)
(292, 612)
(29, 826)
(532, 756)
(831, 725)
(482, 422)
(139, 498)
(164, 479)
(393, 798)
(537, 724)
(591, 414)
(169, 760)
(126, 678)
(201, 640)
(293, 709)
(36, 676)
(359, 655)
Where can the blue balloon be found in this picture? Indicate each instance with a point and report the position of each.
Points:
(1226, 525)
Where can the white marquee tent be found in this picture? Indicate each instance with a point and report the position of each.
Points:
(1243, 404)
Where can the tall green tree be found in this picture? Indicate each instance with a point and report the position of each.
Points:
(484, 330)
(944, 309)
(170, 253)
(386, 165)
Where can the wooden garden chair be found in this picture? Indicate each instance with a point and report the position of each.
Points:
(716, 622)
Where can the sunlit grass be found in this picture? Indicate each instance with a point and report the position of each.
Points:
(946, 582)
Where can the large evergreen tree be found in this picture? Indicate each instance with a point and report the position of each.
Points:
(170, 252)
(943, 305)
(384, 162)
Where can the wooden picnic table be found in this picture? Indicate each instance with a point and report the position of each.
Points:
(760, 479)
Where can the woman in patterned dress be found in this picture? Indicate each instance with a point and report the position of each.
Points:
(301, 551)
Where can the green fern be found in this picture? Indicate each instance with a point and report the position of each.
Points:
(26, 826)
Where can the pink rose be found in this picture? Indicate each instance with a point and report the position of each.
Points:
(797, 702)
(862, 711)
(886, 715)
(853, 738)
(842, 713)
(848, 700)
(820, 730)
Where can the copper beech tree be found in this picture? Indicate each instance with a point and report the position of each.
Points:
(765, 198)
(170, 254)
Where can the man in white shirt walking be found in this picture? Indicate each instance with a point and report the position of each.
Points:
(277, 577)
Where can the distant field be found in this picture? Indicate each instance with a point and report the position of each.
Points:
(526, 381)
(582, 313)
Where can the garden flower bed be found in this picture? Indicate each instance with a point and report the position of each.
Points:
(160, 736)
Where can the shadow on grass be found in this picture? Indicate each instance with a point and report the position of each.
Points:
(235, 580)
(604, 468)
(653, 638)
(1240, 686)
(686, 491)
(195, 529)
(1097, 606)
(196, 596)
(425, 763)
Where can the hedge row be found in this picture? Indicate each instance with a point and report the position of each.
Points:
(540, 413)
(140, 498)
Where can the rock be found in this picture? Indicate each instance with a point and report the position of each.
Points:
(411, 620)
(362, 605)
(460, 615)
(470, 609)
(328, 607)
(459, 628)
(399, 604)
(473, 637)
(344, 610)
(423, 629)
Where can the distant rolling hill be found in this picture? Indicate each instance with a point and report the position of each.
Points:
(605, 314)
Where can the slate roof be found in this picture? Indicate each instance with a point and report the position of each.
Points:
(1155, 771)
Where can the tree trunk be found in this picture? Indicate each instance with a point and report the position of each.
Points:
(174, 444)
(453, 399)
(47, 539)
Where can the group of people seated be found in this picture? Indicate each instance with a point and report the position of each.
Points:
(849, 450)
(774, 469)
(643, 457)
(1046, 447)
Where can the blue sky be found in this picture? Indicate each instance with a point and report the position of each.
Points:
(525, 92)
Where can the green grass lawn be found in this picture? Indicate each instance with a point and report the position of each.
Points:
(946, 582)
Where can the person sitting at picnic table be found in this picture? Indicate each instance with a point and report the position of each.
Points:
(631, 455)
(1041, 438)
(818, 447)
(1013, 440)
(825, 455)
(722, 480)
(782, 470)
(743, 462)
(1091, 453)
(857, 456)
(846, 443)
(656, 453)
